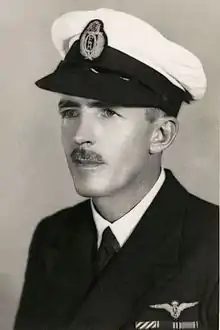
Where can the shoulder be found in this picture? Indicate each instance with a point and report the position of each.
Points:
(196, 204)
(61, 222)
(205, 214)
(201, 218)
(196, 209)
(201, 227)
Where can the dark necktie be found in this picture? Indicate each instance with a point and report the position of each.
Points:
(109, 246)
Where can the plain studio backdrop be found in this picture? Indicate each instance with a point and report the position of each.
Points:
(34, 177)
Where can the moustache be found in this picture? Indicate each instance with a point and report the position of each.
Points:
(80, 155)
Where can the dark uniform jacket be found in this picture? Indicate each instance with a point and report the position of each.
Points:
(165, 276)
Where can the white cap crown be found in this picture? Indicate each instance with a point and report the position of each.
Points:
(139, 40)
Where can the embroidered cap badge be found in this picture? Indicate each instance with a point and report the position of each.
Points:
(93, 40)
(175, 308)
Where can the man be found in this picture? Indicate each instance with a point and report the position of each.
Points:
(142, 252)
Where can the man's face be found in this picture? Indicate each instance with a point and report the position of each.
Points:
(106, 147)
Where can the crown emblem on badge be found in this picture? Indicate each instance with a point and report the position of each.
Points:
(93, 40)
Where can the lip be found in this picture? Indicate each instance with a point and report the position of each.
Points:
(87, 164)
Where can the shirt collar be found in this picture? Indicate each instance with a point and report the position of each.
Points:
(123, 227)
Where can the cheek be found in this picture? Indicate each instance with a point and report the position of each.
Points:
(127, 147)
(67, 135)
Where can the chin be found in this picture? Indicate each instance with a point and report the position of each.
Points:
(96, 184)
(90, 192)
(92, 184)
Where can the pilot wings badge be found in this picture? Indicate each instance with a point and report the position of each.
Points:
(175, 308)
(93, 40)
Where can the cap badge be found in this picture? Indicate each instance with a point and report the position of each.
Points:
(93, 40)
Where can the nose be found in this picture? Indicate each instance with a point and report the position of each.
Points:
(85, 133)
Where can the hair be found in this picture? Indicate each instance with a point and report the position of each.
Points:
(152, 114)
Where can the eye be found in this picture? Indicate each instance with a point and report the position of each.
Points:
(107, 113)
(69, 113)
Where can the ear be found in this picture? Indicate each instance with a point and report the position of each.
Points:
(164, 133)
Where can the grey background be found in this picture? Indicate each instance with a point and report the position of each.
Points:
(34, 180)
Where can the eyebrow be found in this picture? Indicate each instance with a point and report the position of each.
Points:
(68, 104)
(94, 104)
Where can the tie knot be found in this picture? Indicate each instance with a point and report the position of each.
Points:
(109, 246)
(109, 240)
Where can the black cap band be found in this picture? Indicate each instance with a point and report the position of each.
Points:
(114, 77)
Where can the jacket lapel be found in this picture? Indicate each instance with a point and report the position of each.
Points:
(69, 263)
(137, 269)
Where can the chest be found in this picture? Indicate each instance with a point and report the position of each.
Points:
(178, 302)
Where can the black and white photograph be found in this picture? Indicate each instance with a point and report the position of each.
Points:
(109, 165)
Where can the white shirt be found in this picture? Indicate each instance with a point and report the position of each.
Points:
(123, 227)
